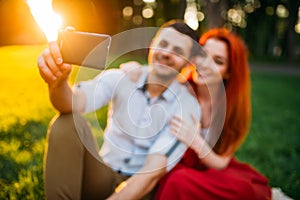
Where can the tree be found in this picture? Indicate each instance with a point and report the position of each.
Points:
(214, 12)
(290, 35)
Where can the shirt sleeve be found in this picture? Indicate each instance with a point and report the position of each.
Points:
(100, 90)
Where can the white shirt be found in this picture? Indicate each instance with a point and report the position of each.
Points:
(137, 125)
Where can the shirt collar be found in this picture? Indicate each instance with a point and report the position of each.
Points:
(173, 91)
(141, 82)
(168, 95)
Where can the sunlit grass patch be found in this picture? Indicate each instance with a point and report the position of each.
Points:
(25, 111)
(23, 94)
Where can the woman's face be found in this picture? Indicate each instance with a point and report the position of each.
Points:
(213, 68)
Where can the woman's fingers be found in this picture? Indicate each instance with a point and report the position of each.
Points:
(175, 123)
(183, 131)
(178, 127)
(195, 120)
(132, 69)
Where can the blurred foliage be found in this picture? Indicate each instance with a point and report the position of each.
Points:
(268, 27)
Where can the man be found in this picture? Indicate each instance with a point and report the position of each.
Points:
(138, 148)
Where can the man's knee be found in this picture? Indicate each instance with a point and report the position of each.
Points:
(63, 125)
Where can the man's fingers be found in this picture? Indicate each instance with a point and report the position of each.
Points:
(55, 52)
(45, 72)
(50, 63)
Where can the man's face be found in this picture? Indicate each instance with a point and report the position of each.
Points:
(169, 52)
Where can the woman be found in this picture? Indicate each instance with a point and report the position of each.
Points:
(209, 170)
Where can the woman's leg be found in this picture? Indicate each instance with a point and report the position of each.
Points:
(237, 181)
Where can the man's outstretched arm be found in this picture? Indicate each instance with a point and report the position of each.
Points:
(56, 73)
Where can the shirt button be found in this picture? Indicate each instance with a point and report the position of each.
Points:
(126, 160)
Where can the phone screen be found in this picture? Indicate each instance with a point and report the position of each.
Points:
(84, 49)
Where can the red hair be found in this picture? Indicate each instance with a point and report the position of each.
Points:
(238, 110)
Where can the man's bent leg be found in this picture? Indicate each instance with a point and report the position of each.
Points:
(63, 160)
(98, 182)
(67, 161)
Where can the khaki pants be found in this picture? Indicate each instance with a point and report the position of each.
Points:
(71, 170)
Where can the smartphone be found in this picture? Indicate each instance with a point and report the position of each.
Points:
(84, 48)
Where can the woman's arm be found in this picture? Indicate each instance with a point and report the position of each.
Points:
(207, 155)
(132, 69)
(182, 131)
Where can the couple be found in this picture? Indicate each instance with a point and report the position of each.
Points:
(146, 120)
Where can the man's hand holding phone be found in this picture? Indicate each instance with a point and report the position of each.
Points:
(83, 48)
(73, 47)
(51, 65)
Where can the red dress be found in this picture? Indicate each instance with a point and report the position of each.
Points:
(189, 180)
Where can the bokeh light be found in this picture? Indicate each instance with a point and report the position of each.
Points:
(281, 11)
(237, 17)
(127, 12)
(191, 15)
(147, 12)
(137, 20)
(297, 28)
(149, 1)
(200, 16)
(270, 10)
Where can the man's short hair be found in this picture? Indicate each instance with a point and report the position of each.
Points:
(182, 27)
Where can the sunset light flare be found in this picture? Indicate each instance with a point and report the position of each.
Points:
(49, 21)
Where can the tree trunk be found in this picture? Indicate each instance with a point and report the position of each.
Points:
(213, 12)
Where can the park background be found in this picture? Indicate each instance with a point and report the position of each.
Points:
(271, 30)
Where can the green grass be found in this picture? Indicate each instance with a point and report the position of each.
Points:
(273, 143)
(25, 111)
